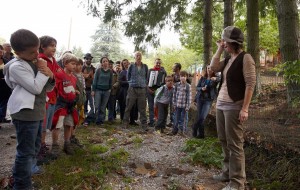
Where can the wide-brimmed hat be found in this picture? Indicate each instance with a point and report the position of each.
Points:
(88, 55)
(233, 34)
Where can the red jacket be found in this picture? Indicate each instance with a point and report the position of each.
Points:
(53, 66)
(66, 86)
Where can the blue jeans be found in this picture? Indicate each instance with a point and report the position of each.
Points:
(3, 108)
(28, 145)
(90, 101)
(151, 107)
(49, 116)
(203, 107)
(179, 120)
(112, 107)
(101, 99)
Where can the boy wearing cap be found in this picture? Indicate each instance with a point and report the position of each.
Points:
(88, 71)
(237, 86)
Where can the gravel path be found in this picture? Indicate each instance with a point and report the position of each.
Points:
(154, 164)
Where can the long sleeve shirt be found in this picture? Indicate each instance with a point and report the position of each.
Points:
(182, 96)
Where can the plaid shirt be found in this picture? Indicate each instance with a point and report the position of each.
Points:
(182, 97)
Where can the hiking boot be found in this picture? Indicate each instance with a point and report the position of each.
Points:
(69, 149)
(220, 177)
(76, 142)
(55, 149)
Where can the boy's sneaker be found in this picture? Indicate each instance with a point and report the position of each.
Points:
(85, 124)
(76, 142)
(55, 149)
(220, 177)
(36, 170)
(69, 149)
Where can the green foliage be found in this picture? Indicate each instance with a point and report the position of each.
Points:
(106, 42)
(207, 152)
(191, 33)
(78, 52)
(291, 74)
(98, 149)
(144, 20)
(169, 56)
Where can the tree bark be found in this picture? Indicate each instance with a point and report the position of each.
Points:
(253, 38)
(228, 13)
(288, 23)
(207, 31)
(228, 17)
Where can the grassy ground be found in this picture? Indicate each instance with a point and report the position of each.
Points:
(89, 167)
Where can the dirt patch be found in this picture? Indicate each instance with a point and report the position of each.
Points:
(155, 161)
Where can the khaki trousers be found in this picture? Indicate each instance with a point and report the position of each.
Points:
(231, 135)
(136, 95)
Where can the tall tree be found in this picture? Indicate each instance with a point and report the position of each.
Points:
(253, 37)
(288, 23)
(78, 52)
(207, 31)
(228, 13)
(106, 42)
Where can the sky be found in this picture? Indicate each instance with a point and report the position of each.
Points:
(53, 18)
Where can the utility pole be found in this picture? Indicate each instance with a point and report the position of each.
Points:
(70, 29)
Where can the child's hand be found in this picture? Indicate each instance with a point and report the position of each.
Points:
(77, 92)
(150, 91)
(213, 78)
(41, 63)
(93, 93)
(203, 88)
(186, 109)
(46, 71)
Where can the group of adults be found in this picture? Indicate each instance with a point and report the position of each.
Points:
(5, 56)
(130, 90)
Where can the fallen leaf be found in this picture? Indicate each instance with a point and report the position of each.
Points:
(76, 170)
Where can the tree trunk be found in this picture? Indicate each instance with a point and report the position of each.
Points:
(253, 38)
(288, 23)
(207, 31)
(228, 17)
(228, 13)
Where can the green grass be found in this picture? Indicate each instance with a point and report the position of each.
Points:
(84, 170)
(206, 151)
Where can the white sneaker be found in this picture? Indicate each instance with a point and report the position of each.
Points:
(228, 187)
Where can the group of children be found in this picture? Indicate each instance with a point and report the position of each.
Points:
(48, 96)
(44, 96)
